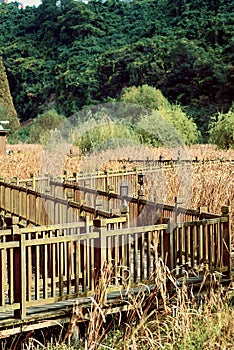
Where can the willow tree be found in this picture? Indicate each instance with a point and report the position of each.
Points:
(7, 109)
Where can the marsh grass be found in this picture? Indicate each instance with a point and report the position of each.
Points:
(159, 319)
(161, 315)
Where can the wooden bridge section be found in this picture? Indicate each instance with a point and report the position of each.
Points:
(53, 244)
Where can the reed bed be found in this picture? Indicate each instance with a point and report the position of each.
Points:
(166, 317)
(212, 183)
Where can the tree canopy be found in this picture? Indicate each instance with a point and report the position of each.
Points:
(69, 54)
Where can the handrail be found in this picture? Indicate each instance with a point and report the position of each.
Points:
(57, 262)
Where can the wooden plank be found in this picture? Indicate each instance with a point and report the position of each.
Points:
(179, 245)
(29, 267)
(148, 241)
(11, 275)
(77, 265)
(53, 270)
(92, 265)
(141, 241)
(45, 272)
(135, 230)
(193, 245)
(37, 269)
(23, 278)
(135, 257)
(17, 272)
(187, 252)
(61, 267)
(226, 227)
(203, 222)
(3, 261)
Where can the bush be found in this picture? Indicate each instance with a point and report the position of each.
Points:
(144, 95)
(103, 134)
(43, 124)
(156, 112)
(222, 131)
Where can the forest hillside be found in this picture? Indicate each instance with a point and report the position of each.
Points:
(68, 54)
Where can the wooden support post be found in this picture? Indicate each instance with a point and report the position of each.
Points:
(100, 246)
(106, 183)
(19, 274)
(33, 177)
(3, 269)
(202, 210)
(227, 240)
(168, 245)
(124, 212)
(178, 202)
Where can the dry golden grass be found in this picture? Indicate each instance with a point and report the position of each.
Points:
(25, 159)
(213, 184)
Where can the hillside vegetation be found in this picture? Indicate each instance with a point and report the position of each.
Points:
(67, 55)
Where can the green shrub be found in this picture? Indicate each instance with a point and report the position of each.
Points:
(21, 135)
(144, 95)
(43, 124)
(222, 131)
(156, 116)
(104, 135)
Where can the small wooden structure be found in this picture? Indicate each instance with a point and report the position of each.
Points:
(3, 133)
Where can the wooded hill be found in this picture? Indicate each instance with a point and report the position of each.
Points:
(68, 54)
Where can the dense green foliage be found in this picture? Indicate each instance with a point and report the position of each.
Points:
(143, 116)
(7, 110)
(163, 119)
(68, 54)
(222, 131)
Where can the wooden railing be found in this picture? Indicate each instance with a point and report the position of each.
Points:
(62, 256)
(141, 211)
(45, 264)
(70, 203)
(110, 180)
(33, 207)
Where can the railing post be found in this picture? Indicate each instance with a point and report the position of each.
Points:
(178, 202)
(168, 245)
(33, 177)
(124, 212)
(201, 211)
(106, 182)
(100, 246)
(227, 240)
(19, 273)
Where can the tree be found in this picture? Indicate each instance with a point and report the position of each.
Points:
(77, 54)
(7, 109)
(145, 95)
(222, 131)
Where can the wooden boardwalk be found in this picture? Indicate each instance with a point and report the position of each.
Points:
(54, 244)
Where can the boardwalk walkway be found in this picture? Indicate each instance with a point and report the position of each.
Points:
(53, 248)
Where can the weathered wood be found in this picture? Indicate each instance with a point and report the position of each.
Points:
(226, 232)
(60, 260)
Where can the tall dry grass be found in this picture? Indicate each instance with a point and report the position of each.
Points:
(212, 184)
(163, 315)
(160, 315)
